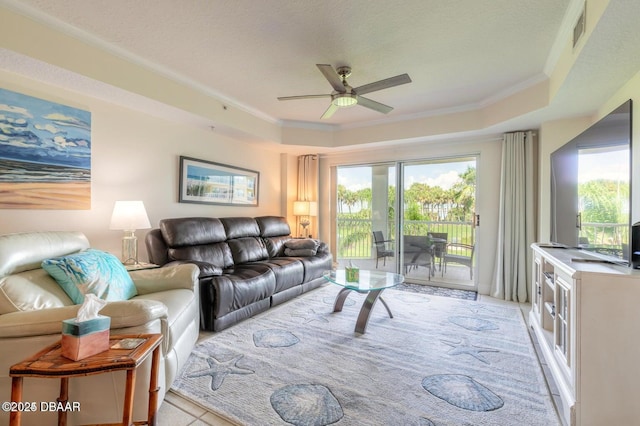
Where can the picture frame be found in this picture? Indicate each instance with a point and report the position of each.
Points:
(207, 182)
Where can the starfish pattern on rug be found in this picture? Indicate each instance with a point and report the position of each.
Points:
(463, 347)
(219, 370)
(477, 308)
(311, 315)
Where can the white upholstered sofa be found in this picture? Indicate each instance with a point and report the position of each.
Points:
(33, 305)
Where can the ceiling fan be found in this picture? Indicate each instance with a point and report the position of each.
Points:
(344, 96)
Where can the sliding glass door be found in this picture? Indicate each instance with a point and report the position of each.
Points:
(438, 222)
(365, 207)
(426, 231)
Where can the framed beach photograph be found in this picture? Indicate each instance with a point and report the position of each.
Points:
(207, 182)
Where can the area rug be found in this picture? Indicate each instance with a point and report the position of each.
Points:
(438, 291)
(438, 361)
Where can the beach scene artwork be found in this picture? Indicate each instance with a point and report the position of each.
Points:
(207, 182)
(45, 154)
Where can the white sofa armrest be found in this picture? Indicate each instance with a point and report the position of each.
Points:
(169, 278)
(128, 313)
(132, 313)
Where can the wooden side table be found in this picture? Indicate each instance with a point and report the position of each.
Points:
(49, 363)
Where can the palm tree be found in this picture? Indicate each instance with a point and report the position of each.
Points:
(350, 200)
(342, 195)
(364, 197)
(464, 193)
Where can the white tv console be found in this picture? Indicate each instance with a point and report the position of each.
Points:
(586, 317)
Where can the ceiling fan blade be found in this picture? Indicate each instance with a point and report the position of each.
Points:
(332, 76)
(383, 84)
(376, 106)
(329, 112)
(290, 98)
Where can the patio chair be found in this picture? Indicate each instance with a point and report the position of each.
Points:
(382, 247)
(453, 255)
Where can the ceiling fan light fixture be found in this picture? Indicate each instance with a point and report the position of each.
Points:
(344, 100)
(344, 96)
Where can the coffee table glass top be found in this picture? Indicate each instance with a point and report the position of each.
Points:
(368, 280)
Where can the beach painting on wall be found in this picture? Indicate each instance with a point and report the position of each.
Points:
(45, 154)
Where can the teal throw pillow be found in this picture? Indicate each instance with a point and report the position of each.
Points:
(91, 271)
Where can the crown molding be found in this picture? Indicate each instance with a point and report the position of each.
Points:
(85, 37)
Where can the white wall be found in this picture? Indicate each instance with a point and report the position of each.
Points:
(487, 203)
(135, 156)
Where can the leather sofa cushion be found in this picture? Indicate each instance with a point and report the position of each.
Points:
(31, 291)
(192, 231)
(24, 251)
(239, 227)
(315, 266)
(241, 286)
(218, 254)
(247, 249)
(289, 272)
(275, 245)
(273, 226)
(206, 269)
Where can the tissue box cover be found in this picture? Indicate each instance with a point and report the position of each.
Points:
(81, 339)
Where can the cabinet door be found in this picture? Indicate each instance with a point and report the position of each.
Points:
(562, 327)
(536, 291)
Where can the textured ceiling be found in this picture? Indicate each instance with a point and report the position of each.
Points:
(460, 54)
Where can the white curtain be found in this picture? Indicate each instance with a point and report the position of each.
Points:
(516, 226)
(308, 181)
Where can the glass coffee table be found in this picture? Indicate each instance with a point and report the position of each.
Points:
(373, 283)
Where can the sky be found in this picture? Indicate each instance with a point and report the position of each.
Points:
(443, 174)
(611, 165)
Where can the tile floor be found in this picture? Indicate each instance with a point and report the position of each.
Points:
(177, 411)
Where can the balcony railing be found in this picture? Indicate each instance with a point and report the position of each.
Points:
(355, 235)
(603, 234)
(606, 238)
(355, 240)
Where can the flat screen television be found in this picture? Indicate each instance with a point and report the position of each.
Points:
(591, 188)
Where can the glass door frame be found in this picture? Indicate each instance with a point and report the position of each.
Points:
(464, 284)
(398, 207)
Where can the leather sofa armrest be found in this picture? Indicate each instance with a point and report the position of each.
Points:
(132, 313)
(127, 313)
(206, 269)
(323, 248)
(166, 278)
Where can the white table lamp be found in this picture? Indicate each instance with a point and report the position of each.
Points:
(129, 216)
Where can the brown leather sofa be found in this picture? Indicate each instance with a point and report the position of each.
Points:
(242, 261)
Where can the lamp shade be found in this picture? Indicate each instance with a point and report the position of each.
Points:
(305, 208)
(129, 215)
